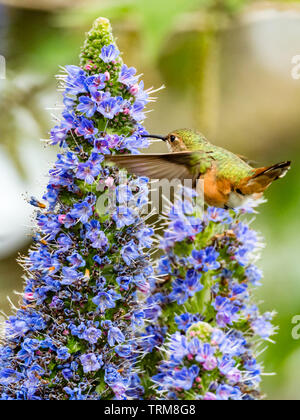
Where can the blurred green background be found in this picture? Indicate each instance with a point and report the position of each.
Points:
(227, 66)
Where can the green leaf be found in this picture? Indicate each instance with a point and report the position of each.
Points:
(73, 345)
(101, 388)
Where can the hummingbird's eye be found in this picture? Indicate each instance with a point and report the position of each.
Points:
(172, 138)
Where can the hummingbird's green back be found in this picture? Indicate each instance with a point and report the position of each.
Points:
(229, 165)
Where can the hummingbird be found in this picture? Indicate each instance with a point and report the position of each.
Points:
(229, 180)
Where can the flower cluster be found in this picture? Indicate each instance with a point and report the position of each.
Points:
(87, 272)
(207, 363)
(96, 320)
(206, 277)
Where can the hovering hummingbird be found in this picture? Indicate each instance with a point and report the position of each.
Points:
(229, 180)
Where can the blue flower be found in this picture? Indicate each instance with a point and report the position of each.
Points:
(179, 292)
(104, 301)
(110, 107)
(101, 146)
(263, 328)
(145, 237)
(87, 106)
(75, 83)
(75, 394)
(192, 282)
(185, 378)
(232, 344)
(130, 253)
(65, 243)
(70, 276)
(58, 136)
(164, 266)
(91, 362)
(92, 228)
(124, 351)
(30, 345)
(136, 111)
(69, 102)
(138, 317)
(205, 259)
(211, 256)
(112, 376)
(153, 336)
(206, 357)
(238, 291)
(63, 353)
(86, 128)
(115, 336)
(178, 346)
(18, 327)
(124, 216)
(142, 283)
(180, 379)
(218, 215)
(247, 237)
(227, 311)
(88, 172)
(226, 365)
(96, 83)
(124, 194)
(127, 76)
(92, 335)
(66, 161)
(70, 120)
(253, 368)
(254, 275)
(49, 224)
(79, 330)
(75, 71)
(96, 235)
(184, 321)
(82, 211)
(51, 196)
(109, 53)
(100, 241)
(227, 392)
(57, 303)
(67, 374)
(194, 347)
(113, 141)
(100, 96)
(179, 230)
(134, 143)
(124, 282)
(76, 260)
(9, 376)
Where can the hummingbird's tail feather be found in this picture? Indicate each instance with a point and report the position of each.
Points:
(275, 171)
(263, 178)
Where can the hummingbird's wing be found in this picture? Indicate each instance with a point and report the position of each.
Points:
(182, 165)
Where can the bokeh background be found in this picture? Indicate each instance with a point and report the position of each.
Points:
(227, 66)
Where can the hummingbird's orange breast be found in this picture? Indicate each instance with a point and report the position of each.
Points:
(216, 190)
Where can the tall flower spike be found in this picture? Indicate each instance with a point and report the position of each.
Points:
(87, 274)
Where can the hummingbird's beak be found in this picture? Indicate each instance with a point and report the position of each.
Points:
(153, 136)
